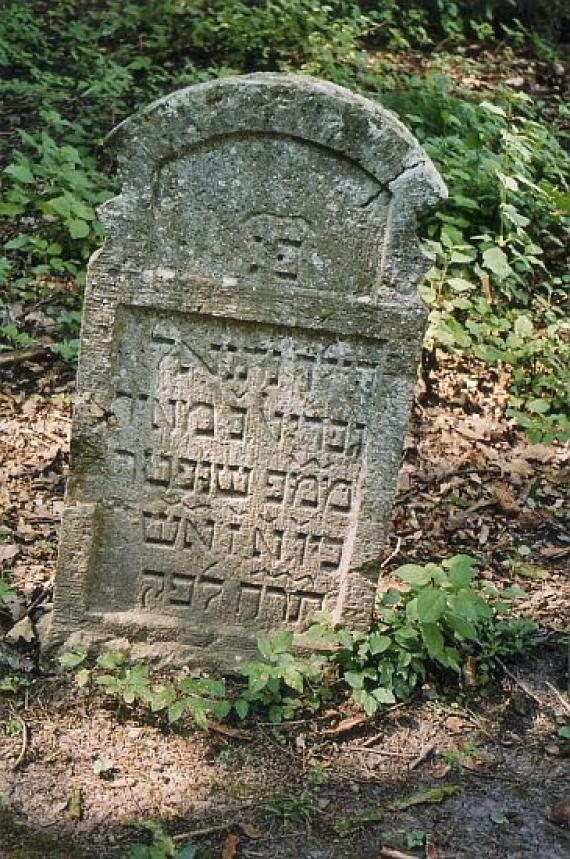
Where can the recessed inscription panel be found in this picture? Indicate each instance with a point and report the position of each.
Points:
(235, 460)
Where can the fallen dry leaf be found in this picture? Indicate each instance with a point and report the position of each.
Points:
(230, 846)
(441, 771)
(23, 630)
(505, 498)
(560, 813)
(344, 726)
(421, 797)
(8, 551)
(456, 724)
(228, 731)
(431, 848)
(251, 831)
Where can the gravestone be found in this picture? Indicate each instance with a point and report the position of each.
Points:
(249, 347)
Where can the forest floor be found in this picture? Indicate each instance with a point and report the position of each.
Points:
(468, 483)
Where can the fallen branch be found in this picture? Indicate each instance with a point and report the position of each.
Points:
(17, 356)
(425, 753)
(390, 853)
(392, 555)
(24, 747)
(559, 697)
(206, 830)
(521, 684)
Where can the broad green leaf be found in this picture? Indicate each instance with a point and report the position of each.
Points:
(431, 605)
(72, 658)
(241, 706)
(221, 709)
(111, 659)
(378, 643)
(413, 575)
(524, 326)
(176, 711)
(460, 569)
(162, 697)
(21, 173)
(538, 406)
(293, 678)
(82, 211)
(462, 627)
(384, 696)
(199, 714)
(78, 229)
(355, 679)
(265, 646)
(433, 640)
(283, 642)
(59, 205)
(367, 701)
(459, 284)
(496, 260)
(392, 597)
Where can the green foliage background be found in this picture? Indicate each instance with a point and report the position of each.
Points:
(72, 69)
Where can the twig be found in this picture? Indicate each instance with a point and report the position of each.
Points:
(371, 740)
(390, 853)
(521, 684)
(392, 555)
(206, 830)
(425, 753)
(17, 356)
(558, 696)
(24, 745)
(385, 752)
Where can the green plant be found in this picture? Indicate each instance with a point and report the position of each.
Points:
(6, 592)
(198, 697)
(439, 619)
(415, 838)
(288, 810)
(457, 758)
(281, 683)
(162, 845)
(498, 289)
(15, 339)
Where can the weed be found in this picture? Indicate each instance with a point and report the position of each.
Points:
(288, 810)
(440, 620)
(457, 758)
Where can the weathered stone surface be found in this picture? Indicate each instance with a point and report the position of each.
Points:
(249, 347)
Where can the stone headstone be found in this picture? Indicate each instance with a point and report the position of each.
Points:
(249, 347)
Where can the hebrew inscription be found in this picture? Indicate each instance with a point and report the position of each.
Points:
(238, 449)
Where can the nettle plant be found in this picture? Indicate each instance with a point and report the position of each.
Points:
(440, 620)
(49, 193)
(498, 289)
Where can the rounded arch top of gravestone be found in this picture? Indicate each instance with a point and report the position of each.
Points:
(279, 180)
